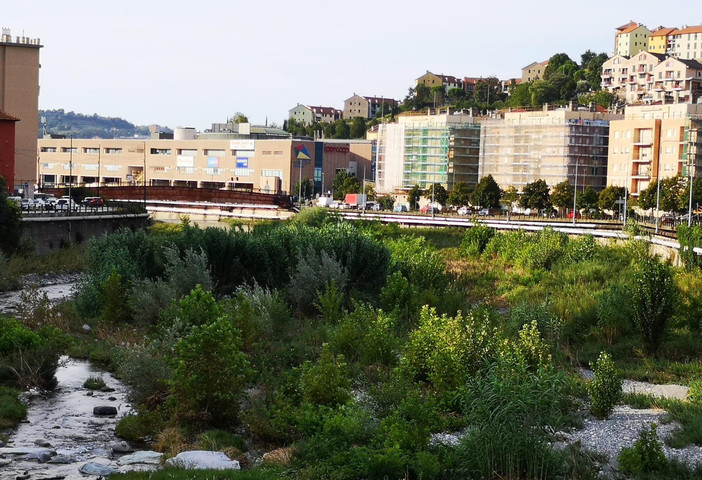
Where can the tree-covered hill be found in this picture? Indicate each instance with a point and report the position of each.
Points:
(60, 122)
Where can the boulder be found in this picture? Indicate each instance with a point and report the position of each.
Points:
(121, 447)
(92, 468)
(26, 451)
(42, 442)
(86, 328)
(104, 410)
(5, 462)
(203, 460)
(41, 457)
(62, 459)
(144, 456)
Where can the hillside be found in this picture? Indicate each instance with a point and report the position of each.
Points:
(60, 122)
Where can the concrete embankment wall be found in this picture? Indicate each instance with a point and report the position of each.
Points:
(48, 234)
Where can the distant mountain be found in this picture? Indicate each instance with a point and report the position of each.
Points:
(61, 123)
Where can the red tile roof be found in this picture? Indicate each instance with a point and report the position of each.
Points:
(628, 25)
(693, 29)
(662, 31)
(8, 117)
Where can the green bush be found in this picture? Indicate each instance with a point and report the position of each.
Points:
(12, 409)
(581, 249)
(94, 382)
(210, 373)
(645, 456)
(613, 312)
(653, 298)
(312, 274)
(694, 393)
(216, 440)
(140, 426)
(476, 239)
(419, 263)
(326, 382)
(330, 303)
(605, 388)
(144, 369)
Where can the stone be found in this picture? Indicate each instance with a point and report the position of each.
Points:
(144, 456)
(42, 442)
(86, 328)
(112, 399)
(24, 476)
(104, 410)
(107, 389)
(41, 457)
(62, 459)
(121, 447)
(89, 394)
(26, 451)
(93, 468)
(203, 460)
(5, 462)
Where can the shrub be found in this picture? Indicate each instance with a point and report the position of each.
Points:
(94, 382)
(314, 271)
(543, 249)
(476, 239)
(210, 372)
(216, 440)
(326, 382)
(419, 263)
(12, 409)
(400, 297)
(645, 456)
(138, 427)
(694, 393)
(145, 370)
(331, 301)
(605, 389)
(653, 298)
(582, 248)
(613, 312)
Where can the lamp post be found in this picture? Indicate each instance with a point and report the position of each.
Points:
(575, 190)
(143, 176)
(98, 178)
(433, 215)
(70, 176)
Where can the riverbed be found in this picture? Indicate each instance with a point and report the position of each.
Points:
(64, 422)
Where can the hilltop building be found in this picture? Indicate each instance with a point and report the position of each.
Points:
(367, 107)
(549, 144)
(425, 148)
(307, 115)
(534, 71)
(631, 39)
(652, 142)
(19, 98)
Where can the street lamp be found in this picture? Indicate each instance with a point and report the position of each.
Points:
(575, 190)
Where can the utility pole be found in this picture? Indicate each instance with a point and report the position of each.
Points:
(143, 177)
(98, 178)
(70, 177)
(575, 191)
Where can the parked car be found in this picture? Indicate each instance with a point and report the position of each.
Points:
(400, 208)
(430, 209)
(64, 204)
(485, 212)
(577, 215)
(93, 202)
(463, 210)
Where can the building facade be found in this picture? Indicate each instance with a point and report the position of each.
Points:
(19, 97)
(659, 39)
(654, 142)
(307, 115)
(686, 43)
(7, 149)
(631, 39)
(367, 107)
(549, 145)
(422, 149)
(534, 71)
(269, 166)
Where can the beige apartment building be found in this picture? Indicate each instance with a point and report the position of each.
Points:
(269, 166)
(553, 145)
(686, 43)
(630, 39)
(534, 71)
(19, 97)
(652, 142)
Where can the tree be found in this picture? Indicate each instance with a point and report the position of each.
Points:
(648, 196)
(487, 193)
(488, 90)
(358, 128)
(387, 202)
(456, 94)
(239, 118)
(542, 92)
(10, 221)
(351, 185)
(520, 95)
(413, 197)
(307, 188)
(653, 299)
(557, 63)
(342, 129)
(587, 199)
(460, 195)
(696, 194)
(509, 197)
(439, 193)
(338, 184)
(672, 197)
(330, 130)
(609, 196)
(438, 94)
(562, 195)
(535, 195)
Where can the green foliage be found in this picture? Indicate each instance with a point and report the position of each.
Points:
(653, 298)
(387, 202)
(94, 382)
(419, 263)
(543, 249)
(12, 409)
(315, 273)
(400, 297)
(114, 298)
(581, 248)
(10, 222)
(613, 312)
(608, 197)
(413, 196)
(460, 195)
(486, 193)
(562, 195)
(144, 368)
(694, 394)
(140, 426)
(326, 382)
(330, 302)
(368, 336)
(210, 372)
(216, 440)
(535, 195)
(198, 308)
(476, 239)
(445, 350)
(689, 238)
(90, 126)
(605, 389)
(645, 456)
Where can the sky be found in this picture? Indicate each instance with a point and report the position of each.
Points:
(190, 64)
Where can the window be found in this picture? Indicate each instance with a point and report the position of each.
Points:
(91, 150)
(187, 152)
(272, 173)
(210, 152)
(69, 149)
(113, 151)
(113, 168)
(160, 151)
(48, 149)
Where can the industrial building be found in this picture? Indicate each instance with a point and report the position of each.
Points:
(269, 166)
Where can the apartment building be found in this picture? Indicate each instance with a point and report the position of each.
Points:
(431, 80)
(686, 43)
(367, 107)
(631, 39)
(652, 142)
(553, 145)
(308, 114)
(426, 148)
(651, 77)
(534, 71)
(270, 166)
(19, 98)
(659, 39)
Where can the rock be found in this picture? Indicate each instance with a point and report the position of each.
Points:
(86, 328)
(92, 468)
(2, 444)
(89, 393)
(62, 459)
(5, 462)
(24, 476)
(145, 456)
(41, 457)
(203, 460)
(107, 389)
(121, 447)
(104, 410)
(42, 442)
(26, 451)
(112, 399)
